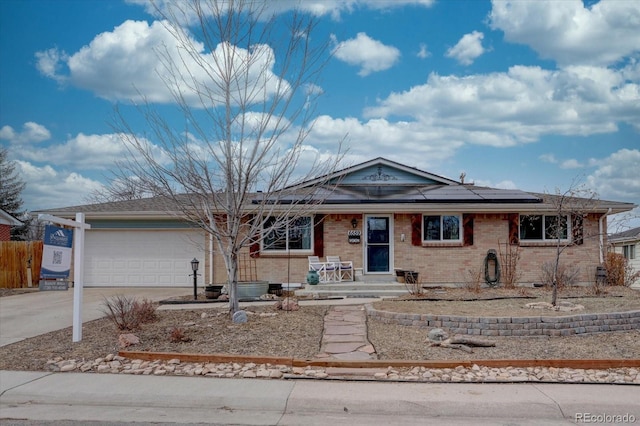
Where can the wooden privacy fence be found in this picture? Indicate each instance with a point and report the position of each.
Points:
(14, 261)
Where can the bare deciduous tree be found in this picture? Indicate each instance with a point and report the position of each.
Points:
(246, 89)
(118, 189)
(565, 225)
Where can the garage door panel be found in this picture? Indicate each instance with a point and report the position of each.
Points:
(107, 264)
(118, 265)
(140, 258)
(149, 265)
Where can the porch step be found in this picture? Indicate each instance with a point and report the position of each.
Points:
(355, 289)
(384, 278)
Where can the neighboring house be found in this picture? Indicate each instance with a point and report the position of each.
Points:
(627, 243)
(6, 223)
(381, 215)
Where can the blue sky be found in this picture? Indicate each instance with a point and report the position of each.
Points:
(515, 94)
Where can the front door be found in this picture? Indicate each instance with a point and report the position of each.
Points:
(378, 244)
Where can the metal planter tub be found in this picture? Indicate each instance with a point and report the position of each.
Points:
(252, 289)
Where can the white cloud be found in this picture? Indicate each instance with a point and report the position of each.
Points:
(505, 184)
(83, 152)
(467, 49)
(570, 32)
(548, 158)
(423, 52)
(428, 145)
(313, 89)
(126, 64)
(49, 188)
(519, 106)
(32, 132)
(571, 163)
(49, 63)
(617, 176)
(64, 174)
(369, 54)
(80, 152)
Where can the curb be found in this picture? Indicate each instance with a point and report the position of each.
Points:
(597, 364)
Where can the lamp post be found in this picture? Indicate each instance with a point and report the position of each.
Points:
(194, 268)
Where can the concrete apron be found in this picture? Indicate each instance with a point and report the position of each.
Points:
(28, 315)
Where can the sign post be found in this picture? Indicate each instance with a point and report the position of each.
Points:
(78, 266)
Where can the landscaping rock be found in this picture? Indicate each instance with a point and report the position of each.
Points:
(240, 317)
(437, 335)
(126, 340)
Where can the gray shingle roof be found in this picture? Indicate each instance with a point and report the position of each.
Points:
(628, 235)
(360, 192)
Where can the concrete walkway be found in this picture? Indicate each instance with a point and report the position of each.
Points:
(345, 334)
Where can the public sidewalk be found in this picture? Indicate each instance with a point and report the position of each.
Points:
(126, 398)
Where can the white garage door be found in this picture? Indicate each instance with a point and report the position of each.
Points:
(154, 258)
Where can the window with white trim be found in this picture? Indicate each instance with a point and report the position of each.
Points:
(535, 227)
(295, 235)
(442, 228)
(629, 251)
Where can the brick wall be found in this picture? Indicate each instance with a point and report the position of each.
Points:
(5, 232)
(436, 263)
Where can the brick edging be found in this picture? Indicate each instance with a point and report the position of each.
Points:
(515, 326)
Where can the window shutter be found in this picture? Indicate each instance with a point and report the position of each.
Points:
(318, 235)
(514, 238)
(577, 229)
(467, 229)
(254, 250)
(416, 229)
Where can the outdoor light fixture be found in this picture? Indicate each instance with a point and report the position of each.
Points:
(354, 223)
(194, 268)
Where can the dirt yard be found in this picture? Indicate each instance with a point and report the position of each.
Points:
(298, 334)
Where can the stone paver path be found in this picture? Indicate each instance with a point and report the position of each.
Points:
(345, 334)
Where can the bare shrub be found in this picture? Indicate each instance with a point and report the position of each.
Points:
(567, 275)
(178, 335)
(145, 310)
(413, 284)
(619, 272)
(475, 279)
(595, 290)
(509, 257)
(127, 313)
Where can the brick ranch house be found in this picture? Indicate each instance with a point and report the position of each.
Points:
(381, 215)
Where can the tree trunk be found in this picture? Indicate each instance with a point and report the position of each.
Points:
(234, 305)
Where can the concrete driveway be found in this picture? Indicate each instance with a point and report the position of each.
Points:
(27, 315)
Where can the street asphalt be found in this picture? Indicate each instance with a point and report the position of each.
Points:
(29, 398)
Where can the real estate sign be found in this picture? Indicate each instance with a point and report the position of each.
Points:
(56, 253)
